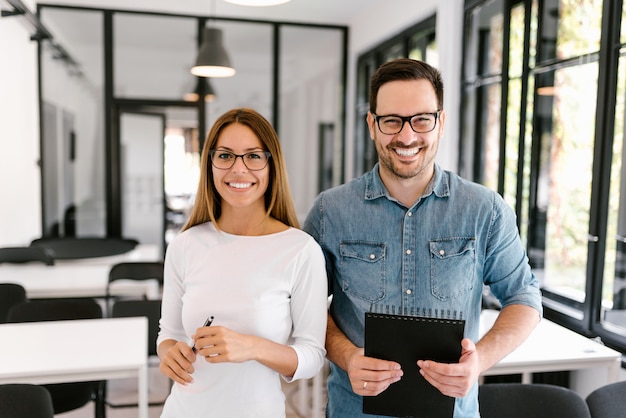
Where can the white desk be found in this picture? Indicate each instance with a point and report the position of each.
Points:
(76, 351)
(86, 277)
(551, 348)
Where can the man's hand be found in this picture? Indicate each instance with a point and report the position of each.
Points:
(370, 376)
(454, 379)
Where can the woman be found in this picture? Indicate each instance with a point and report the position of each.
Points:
(242, 267)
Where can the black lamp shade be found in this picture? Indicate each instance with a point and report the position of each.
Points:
(212, 58)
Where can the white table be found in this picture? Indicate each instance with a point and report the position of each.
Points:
(86, 277)
(76, 351)
(551, 347)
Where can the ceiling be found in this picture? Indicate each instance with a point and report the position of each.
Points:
(339, 12)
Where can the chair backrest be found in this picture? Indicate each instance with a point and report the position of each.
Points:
(54, 310)
(25, 400)
(517, 400)
(137, 270)
(148, 308)
(608, 401)
(65, 396)
(133, 270)
(26, 255)
(10, 294)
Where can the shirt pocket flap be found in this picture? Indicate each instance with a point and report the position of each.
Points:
(452, 247)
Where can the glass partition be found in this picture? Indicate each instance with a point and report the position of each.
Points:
(72, 95)
(131, 62)
(152, 55)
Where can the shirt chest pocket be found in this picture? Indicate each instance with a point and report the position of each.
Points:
(363, 270)
(452, 267)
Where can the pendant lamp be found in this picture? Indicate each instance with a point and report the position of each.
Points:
(212, 58)
(257, 2)
(203, 86)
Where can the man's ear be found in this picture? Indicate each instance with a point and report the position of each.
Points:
(371, 123)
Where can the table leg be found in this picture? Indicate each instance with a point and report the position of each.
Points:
(143, 392)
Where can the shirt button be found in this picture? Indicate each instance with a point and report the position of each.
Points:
(441, 252)
(409, 214)
(372, 256)
(408, 252)
(408, 291)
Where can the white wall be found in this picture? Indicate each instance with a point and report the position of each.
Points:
(20, 219)
(19, 118)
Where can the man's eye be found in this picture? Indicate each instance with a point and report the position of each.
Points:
(391, 122)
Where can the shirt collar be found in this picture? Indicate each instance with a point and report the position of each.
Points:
(374, 187)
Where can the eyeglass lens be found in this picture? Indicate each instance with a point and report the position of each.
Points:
(421, 123)
(224, 160)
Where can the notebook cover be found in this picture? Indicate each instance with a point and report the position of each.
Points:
(406, 339)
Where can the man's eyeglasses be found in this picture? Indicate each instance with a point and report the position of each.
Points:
(254, 161)
(420, 123)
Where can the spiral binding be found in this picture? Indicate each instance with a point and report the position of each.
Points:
(417, 312)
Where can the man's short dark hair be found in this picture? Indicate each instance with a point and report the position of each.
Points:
(405, 69)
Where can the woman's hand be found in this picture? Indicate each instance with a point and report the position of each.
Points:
(220, 345)
(177, 361)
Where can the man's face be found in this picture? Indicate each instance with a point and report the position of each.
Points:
(407, 154)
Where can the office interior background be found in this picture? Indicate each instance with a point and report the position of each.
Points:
(535, 100)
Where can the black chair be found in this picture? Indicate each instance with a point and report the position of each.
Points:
(85, 247)
(65, 396)
(26, 255)
(25, 401)
(139, 270)
(608, 401)
(10, 294)
(518, 400)
(150, 309)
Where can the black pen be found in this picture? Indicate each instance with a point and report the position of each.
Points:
(207, 323)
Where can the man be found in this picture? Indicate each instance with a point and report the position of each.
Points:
(410, 235)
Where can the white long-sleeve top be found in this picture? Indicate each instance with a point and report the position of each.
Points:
(273, 286)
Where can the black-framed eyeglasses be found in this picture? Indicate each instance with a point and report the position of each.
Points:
(254, 161)
(421, 123)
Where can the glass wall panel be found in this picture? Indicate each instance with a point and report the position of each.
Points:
(569, 28)
(153, 55)
(565, 132)
(480, 136)
(423, 46)
(73, 172)
(614, 283)
(311, 109)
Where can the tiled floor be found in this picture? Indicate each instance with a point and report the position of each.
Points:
(125, 391)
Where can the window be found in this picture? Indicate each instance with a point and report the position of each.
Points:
(543, 110)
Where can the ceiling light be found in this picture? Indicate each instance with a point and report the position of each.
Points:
(212, 58)
(203, 85)
(257, 2)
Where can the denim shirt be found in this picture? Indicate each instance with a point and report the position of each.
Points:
(432, 257)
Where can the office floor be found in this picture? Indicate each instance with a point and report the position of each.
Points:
(125, 391)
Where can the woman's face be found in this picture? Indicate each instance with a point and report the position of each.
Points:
(239, 186)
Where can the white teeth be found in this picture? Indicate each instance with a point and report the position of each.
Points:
(240, 185)
(407, 152)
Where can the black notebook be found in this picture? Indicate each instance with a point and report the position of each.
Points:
(406, 339)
